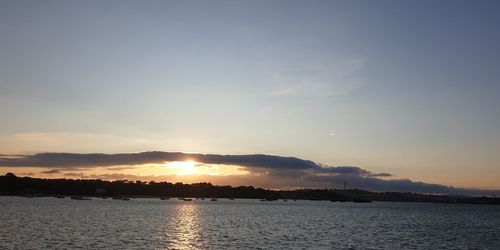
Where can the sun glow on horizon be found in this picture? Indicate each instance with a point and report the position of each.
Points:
(188, 171)
(184, 167)
(191, 167)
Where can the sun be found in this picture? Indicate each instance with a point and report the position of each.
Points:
(184, 167)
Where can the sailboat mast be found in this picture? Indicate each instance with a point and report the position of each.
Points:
(81, 183)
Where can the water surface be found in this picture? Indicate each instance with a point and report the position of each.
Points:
(51, 223)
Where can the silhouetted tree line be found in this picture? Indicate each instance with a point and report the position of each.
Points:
(13, 185)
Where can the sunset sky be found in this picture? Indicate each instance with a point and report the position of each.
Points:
(388, 95)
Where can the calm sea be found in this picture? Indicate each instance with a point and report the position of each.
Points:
(51, 223)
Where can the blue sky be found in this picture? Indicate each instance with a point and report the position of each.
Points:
(406, 87)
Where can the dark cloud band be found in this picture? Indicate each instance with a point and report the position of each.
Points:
(71, 160)
(290, 171)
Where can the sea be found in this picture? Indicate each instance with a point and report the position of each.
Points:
(151, 223)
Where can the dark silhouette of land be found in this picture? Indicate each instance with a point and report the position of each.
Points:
(27, 186)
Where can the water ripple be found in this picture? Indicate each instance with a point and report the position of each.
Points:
(50, 223)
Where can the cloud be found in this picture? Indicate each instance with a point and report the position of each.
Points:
(71, 160)
(381, 175)
(350, 170)
(345, 170)
(395, 185)
(268, 171)
(322, 80)
(3, 156)
(51, 171)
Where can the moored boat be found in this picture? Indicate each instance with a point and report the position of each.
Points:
(81, 198)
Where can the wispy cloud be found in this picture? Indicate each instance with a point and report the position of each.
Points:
(51, 171)
(319, 80)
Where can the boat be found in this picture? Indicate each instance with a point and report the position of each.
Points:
(81, 198)
(361, 201)
(213, 199)
(187, 199)
(125, 199)
(338, 200)
(164, 198)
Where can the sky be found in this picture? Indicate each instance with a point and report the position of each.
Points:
(390, 95)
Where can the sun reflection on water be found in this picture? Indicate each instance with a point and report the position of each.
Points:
(185, 227)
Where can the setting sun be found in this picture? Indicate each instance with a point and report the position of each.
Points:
(184, 167)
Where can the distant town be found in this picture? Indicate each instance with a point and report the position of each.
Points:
(11, 185)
